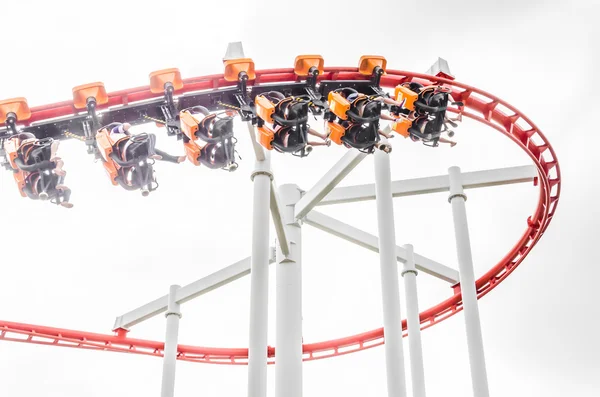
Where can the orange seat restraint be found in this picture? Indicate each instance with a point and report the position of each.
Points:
(264, 109)
(105, 145)
(402, 126)
(338, 105)
(193, 152)
(11, 148)
(336, 132)
(265, 137)
(407, 95)
(189, 124)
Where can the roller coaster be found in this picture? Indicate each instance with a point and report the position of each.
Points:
(289, 111)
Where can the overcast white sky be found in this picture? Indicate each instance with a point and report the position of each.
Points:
(116, 250)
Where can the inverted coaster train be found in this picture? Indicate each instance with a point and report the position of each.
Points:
(350, 110)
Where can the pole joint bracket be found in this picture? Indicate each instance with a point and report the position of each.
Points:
(464, 196)
(413, 271)
(168, 313)
(267, 173)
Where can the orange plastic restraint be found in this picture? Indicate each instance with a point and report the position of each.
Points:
(105, 145)
(264, 109)
(402, 126)
(265, 137)
(189, 124)
(336, 132)
(193, 152)
(11, 147)
(338, 105)
(407, 95)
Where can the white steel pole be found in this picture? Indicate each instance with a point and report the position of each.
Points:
(457, 198)
(288, 347)
(409, 273)
(392, 318)
(170, 351)
(259, 280)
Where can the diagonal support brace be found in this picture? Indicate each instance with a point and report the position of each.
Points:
(187, 293)
(371, 242)
(338, 172)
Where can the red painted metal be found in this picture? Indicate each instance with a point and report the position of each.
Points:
(479, 106)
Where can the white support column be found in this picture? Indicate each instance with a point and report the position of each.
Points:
(288, 347)
(467, 285)
(409, 273)
(259, 280)
(392, 318)
(170, 351)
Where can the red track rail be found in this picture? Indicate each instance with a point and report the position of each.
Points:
(479, 106)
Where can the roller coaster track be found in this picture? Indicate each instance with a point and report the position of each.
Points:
(478, 105)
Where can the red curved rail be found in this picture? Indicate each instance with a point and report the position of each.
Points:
(479, 106)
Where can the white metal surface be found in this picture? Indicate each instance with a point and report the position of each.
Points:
(235, 50)
(342, 168)
(288, 343)
(467, 285)
(193, 290)
(259, 153)
(277, 216)
(371, 242)
(259, 280)
(392, 317)
(441, 65)
(434, 184)
(417, 372)
(170, 351)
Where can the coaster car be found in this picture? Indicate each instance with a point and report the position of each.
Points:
(353, 120)
(128, 159)
(422, 113)
(36, 169)
(216, 130)
(283, 124)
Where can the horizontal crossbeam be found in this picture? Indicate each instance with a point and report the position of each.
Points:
(434, 184)
(188, 292)
(371, 242)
